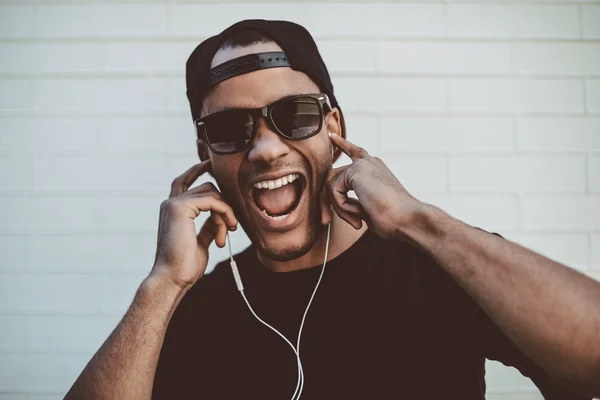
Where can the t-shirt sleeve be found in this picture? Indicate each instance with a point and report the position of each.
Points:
(494, 345)
(184, 365)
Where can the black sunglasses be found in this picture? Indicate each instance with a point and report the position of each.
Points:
(295, 117)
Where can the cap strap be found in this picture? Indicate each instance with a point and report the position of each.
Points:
(247, 63)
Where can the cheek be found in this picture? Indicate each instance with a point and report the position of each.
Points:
(224, 170)
(322, 152)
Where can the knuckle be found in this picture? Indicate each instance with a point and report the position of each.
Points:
(209, 186)
(176, 183)
(165, 204)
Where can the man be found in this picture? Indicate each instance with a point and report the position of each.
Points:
(411, 301)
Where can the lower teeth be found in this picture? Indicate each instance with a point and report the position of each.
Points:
(276, 218)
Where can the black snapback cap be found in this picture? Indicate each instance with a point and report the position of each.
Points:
(297, 44)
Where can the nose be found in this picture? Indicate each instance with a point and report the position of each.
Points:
(267, 146)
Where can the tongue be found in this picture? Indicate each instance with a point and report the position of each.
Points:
(276, 201)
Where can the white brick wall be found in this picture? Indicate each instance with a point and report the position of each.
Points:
(490, 110)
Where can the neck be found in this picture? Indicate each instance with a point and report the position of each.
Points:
(342, 236)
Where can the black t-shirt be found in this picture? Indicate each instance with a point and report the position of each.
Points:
(386, 322)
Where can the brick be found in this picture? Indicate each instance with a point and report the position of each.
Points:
(99, 174)
(16, 95)
(513, 21)
(64, 333)
(17, 21)
(593, 173)
(148, 135)
(391, 94)
(419, 174)
(184, 18)
(560, 213)
(117, 292)
(92, 252)
(444, 58)
(13, 251)
(446, 134)
(557, 58)
(49, 58)
(51, 372)
(48, 135)
(17, 135)
(159, 57)
(558, 134)
(593, 89)
(490, 395)
(65, 135)
(495, 213)
(570, 249)
(175, 166)
(101, 95)
(363, 131)
(501, 377)
(62, 293)
(176, 97)
(595, 252)
(13, 335)
(349, 55)
(388, 19)
(17, 174)
(518, 173)
(518, 95)
(139, 215)
(48, 214)
(101, 20)
(591, 17)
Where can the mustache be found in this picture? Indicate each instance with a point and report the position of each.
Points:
(259, 170)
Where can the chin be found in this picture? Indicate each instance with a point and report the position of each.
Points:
(288, 246)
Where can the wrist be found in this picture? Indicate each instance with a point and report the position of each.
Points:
(426, 227)
(160, 289)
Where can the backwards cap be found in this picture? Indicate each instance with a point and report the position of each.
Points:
(299, 47)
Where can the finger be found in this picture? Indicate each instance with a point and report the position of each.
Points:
(353, 207)
(343, 206)
(325, 202)
(208, 189)
(220, 207)
(220, 229)
(352, 219)
(205, 187)
(183, 182)
(207, 233)
(353, 151)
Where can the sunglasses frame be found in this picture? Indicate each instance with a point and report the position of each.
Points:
(263, 112)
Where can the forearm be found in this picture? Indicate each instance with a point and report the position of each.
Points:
(124, 366)
(551, 312)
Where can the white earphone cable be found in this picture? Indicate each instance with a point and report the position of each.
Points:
(238, 281)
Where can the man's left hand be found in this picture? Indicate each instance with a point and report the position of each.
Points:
(383, 203)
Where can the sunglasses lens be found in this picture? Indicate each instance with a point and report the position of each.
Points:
(297, 118)
(229, 131)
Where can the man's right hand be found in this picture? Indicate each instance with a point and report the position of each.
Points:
(181, 255)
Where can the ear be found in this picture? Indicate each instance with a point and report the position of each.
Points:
(334, 123)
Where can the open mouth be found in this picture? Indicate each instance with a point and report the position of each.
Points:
(277, 198)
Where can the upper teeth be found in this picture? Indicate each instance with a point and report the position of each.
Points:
(277, 183)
